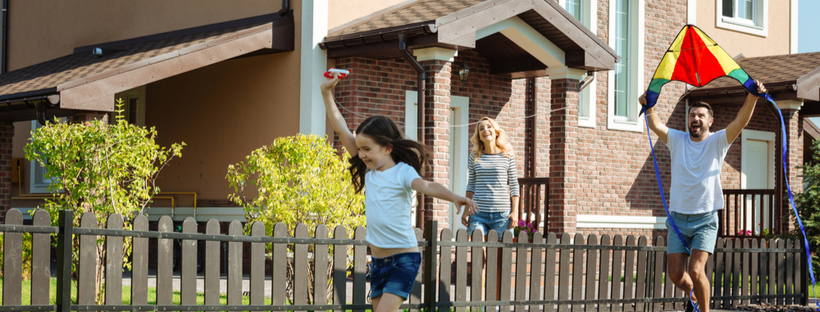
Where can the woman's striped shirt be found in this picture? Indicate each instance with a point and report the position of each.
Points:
(488, 180)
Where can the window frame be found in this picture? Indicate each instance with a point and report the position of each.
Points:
(630, 122)
(758, 26)
(588, 97)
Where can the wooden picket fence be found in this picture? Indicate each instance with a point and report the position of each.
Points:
(570, 273)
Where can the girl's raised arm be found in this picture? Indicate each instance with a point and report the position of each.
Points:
(336, 119)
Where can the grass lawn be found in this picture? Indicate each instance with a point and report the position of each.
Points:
(126, 295)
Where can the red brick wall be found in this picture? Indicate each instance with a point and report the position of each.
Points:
(376, 87)
(6, 135)
(437, 135)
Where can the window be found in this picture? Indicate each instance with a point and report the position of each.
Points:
(38, 183)
(133, 106)
(626, 32)
(586, 12)
(747, 16)
(575, 8)
(622, 70)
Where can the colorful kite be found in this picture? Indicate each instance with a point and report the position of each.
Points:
(696, 59)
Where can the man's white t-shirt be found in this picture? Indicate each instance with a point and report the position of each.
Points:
(696, 170)
(388, 204)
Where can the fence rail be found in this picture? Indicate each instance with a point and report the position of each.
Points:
(566, 273)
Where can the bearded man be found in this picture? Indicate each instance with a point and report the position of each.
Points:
(695, 193)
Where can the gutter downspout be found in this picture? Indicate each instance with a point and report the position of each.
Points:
(5, 34)
(282, 12)
(422, 89)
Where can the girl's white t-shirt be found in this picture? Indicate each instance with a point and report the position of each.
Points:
(696, 170)
(388, 204)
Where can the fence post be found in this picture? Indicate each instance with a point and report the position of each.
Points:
(430, 265)
(64, 257)
(804, 278)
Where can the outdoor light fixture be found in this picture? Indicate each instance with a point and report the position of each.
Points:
(463, 72)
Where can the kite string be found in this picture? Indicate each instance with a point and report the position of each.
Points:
(452, 126)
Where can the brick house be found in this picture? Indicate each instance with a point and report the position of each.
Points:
(582, 155)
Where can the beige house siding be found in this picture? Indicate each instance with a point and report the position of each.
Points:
(42, 30)
(259, 104)
(777, 41)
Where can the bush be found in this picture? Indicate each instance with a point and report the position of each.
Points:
(100, 168)
(297, 179)
(808, 205)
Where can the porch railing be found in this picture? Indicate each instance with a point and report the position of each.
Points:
(571, 272)
(752, 212)
(535, 202)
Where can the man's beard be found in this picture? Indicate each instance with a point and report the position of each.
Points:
(699, 133)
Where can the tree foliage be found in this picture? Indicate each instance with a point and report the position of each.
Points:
(808, 205)
(100, 168)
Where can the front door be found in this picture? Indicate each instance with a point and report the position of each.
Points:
(757, 172)
(459, 136)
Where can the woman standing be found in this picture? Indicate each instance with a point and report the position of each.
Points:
(491, 168)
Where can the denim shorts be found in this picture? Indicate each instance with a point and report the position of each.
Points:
(486, 221)
(699, 230)
(395, 274)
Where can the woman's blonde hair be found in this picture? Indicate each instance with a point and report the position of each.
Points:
(501, 140)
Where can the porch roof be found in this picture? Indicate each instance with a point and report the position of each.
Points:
(473, 24)
(787, 77)
(86, 81)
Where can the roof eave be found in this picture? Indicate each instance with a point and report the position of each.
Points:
(782, 90)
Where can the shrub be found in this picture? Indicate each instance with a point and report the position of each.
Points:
(297, 179)
(100, 168)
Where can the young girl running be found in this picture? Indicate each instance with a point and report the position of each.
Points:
(387, 166)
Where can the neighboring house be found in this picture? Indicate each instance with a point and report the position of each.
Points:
(226, 80)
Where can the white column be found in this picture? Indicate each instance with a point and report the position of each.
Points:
(313, 64)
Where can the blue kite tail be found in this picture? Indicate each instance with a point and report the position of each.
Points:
(660, 186)
(690, 299)
(784, 147)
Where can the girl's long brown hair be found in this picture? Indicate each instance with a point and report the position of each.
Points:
(385, 133)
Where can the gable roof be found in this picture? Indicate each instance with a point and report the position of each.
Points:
(86, 81)
(453, 24)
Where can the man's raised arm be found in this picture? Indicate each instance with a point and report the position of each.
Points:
(744, 115)
(654, 121)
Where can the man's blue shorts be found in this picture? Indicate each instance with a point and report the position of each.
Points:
(699, 230)
(395, 274)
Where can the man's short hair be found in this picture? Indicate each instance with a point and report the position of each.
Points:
(702, 104)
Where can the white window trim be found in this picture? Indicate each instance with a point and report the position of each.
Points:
(767, 136)
(616, 122)
(620, 222)
(743, 25)
(590, 93)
